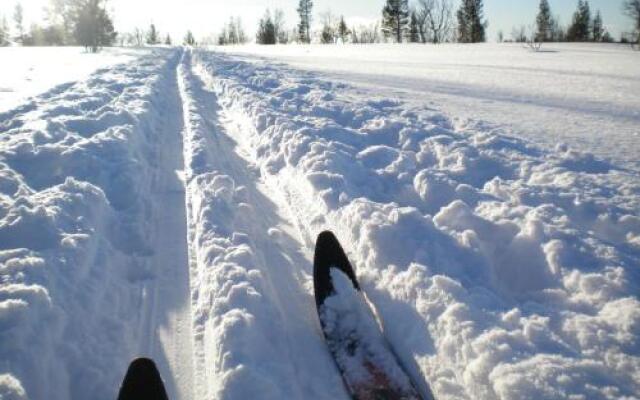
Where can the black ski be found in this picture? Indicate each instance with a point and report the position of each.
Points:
(142, 382)
(368, 366)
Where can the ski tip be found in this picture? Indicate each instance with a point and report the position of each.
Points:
(329, 254)
(142, 382)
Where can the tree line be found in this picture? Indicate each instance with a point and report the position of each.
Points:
(87, 23)
(438, 21)
(68, 22)
(547, 28)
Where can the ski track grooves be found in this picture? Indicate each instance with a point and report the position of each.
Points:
(168, 337)
(254, 315)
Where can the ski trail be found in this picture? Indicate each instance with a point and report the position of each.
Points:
(257, 333)
(167, 328)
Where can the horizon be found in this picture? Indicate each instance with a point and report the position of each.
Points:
(168, 17)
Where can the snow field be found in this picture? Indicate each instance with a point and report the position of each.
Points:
(29, 71)
(500, 269)
(169, 206)
(78, 178)
(584, 94)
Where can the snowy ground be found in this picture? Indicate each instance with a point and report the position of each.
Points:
(168, 207)
(29, 71)
(582, 94)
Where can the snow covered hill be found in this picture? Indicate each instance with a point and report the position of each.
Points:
(168, 207)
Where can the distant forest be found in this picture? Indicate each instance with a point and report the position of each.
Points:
(87, 23)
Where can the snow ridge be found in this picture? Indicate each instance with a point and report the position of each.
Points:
(500, 270)
(256, 335)
(77, 179)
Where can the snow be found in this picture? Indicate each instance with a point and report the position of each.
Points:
(581, 94)
(355, 339)
(29, 71)
(168, 206)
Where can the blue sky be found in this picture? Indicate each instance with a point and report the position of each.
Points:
(207, 16)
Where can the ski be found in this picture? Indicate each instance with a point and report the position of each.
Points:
(142, 382)
(369, 368)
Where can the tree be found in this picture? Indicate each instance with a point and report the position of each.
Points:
(414, 30)
(18, 15)
(366, 34)
(580, 28)
(632, 9)
(519, 34)
(343, 30)
(189, 40)
(544, 21)
(395, 19)
(93, 27)
(64, 13)
(435, 20)
(328, 35)
(471, 28)
(304, 27)
(597, 28)
(558, 33)
(167, 40)
(4, 32)
(266, 30)
(282, 36)
(232, 33)
(152, 35)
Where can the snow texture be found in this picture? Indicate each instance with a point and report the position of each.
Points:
(168, 207)
(499, 269)
(360, 350)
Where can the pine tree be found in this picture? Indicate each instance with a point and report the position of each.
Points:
(544, 22)
(579, 31)
(327, 35)
(304, 27)
(414, 29)
(266, 30)
(167, 40)
(597, 28)
(4, 32)
(93, 26)
(343, 30)
(471, 28)
(18, 15)
(152, 35)
(395, 19)
(189, 39)
(632, 9)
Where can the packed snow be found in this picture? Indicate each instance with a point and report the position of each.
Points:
(168, 207)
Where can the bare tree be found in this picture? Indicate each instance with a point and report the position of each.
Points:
(435, 20)
(632, 9)
(138, 37)
(282, 35)
(533, 39)
(366, 34)
(328, 35)
(519, 34)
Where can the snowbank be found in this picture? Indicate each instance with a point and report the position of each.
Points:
(30, 71)
(76, 167)
(500, 269)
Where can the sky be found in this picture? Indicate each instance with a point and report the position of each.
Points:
(206, 17)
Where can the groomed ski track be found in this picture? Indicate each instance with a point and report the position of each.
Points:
(169, 206)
